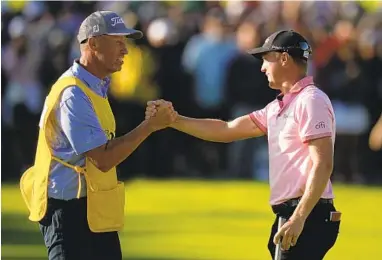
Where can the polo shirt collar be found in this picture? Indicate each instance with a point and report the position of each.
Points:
(284, 100)
(99, 86)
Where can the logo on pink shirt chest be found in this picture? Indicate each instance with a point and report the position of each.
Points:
(283, 123)
(286, 116)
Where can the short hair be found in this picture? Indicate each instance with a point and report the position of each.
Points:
(302, 63)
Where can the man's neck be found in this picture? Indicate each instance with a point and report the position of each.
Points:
(92, 67)
(288, 84)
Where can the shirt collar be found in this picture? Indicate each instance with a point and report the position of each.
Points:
(297, 87)
(301, 84)
(99, 86)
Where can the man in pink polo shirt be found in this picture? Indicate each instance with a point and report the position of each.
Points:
(300, 127)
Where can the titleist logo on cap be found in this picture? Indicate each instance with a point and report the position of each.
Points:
(116, 20)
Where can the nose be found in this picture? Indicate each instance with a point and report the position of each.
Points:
(263, 67)
(124, 50)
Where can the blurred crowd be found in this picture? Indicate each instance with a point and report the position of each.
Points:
(194, 55)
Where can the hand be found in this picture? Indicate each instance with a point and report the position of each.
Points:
(152, 108)
(160, 114)
(290, 232)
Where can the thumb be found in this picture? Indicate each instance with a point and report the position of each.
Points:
(151, 103)
(159, 102)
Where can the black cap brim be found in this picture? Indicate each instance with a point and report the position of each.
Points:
(259, 52)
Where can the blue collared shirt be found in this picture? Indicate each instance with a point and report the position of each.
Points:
(77, 130)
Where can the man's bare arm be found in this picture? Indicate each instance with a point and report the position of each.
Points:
(375, 138)
(115, 151)
(215, 130)
(321, 153)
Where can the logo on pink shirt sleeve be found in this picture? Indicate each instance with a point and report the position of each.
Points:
(320, 125)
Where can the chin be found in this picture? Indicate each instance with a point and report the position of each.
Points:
(115, 69)
(272, 85)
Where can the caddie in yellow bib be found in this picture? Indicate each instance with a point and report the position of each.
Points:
(105, 195)
(72, 190)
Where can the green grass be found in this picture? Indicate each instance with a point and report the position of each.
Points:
(184, 220)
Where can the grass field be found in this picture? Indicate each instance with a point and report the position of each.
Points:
(192, 220)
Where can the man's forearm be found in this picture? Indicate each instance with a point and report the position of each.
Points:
(213, 130)
(315, 186)
(118, 149)
(375, 137)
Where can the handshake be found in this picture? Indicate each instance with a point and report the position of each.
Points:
(160, 114)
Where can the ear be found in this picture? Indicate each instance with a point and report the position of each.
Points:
(93, 43)
(284, 59)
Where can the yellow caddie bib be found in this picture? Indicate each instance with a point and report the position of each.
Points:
(105, 194)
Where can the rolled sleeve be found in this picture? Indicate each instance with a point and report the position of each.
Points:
(259, 117)
(316, 118)
(79, 122)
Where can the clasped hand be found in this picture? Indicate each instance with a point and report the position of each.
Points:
(160, 114)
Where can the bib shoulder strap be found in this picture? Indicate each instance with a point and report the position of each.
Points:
(62, 84)
(56, 91)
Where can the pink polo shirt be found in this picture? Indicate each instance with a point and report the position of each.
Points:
(303, 114)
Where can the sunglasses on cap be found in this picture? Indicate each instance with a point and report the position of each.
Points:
(302, 46)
